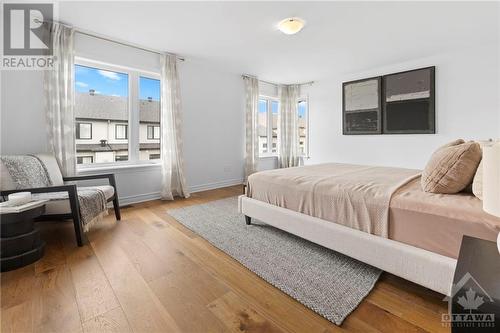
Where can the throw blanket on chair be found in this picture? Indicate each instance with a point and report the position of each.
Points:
(28, 171)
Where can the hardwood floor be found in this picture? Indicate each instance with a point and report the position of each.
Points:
(149, 273)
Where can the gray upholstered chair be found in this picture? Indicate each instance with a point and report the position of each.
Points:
(62, 209)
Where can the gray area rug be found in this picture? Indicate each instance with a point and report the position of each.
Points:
(329, 283)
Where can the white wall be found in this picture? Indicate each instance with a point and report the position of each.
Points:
(467, 106)
(213, 129)
(23, 126)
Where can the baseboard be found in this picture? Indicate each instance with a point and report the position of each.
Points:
(133, 199)
(213, 186)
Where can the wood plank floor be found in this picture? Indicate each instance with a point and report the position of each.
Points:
(149, 273)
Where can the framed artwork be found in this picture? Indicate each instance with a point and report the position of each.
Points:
(409, 102)
(361, 107)
(398, 103)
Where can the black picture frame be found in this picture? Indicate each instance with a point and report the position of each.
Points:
(421, 109)
(351, 126)
(419, 104)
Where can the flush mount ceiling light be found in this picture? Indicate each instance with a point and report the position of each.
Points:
(291, 25)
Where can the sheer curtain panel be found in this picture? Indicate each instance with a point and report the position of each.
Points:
(172, 160)
(288, 127)
(59, 98)
(251, 139)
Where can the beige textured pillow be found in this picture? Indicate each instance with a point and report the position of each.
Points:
(477, 183)
(451, 167)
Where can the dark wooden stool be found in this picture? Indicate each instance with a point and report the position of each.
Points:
(20, 241)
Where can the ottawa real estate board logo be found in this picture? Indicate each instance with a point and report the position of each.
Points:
(26, 37)
(468, 306)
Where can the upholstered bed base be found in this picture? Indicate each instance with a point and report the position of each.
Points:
(423, 267)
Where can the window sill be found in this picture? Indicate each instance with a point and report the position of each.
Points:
(96, 169)
(306, 157)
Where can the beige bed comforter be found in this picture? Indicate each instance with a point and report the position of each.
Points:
(352, 195)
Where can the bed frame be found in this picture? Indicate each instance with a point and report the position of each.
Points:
(423, 267)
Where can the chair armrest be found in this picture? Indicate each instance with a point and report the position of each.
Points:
(70, 189)
(63, 188)
(89, 177)
(109, 176)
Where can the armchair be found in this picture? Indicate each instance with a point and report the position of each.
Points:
(63, 209)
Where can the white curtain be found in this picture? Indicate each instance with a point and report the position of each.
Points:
(251, 138)
(59, 97)
(288, 127)
(173, 181)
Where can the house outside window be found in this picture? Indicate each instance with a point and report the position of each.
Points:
(113, 108)
(149, 112)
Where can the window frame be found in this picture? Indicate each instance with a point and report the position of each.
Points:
(269, 129)
(116, 131)
(133, 104)
(78, 131)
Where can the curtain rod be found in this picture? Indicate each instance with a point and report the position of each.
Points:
(109, 39)
(274, 83)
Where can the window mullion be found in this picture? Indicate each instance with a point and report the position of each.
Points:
(269, 127)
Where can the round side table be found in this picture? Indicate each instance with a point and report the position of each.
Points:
(20, 240)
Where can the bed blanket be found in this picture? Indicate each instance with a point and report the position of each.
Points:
(355, 196)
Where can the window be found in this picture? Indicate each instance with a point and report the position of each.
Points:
(116, 109)
(121, 132)
(101, 99)
(84, 131)
(153, 132)
(149, 114)
(154, 156)
(262, 123)
(274, 128)
(267, 126)
(303, 122)
(84, 159)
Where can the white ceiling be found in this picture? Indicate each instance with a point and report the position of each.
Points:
(339, 37)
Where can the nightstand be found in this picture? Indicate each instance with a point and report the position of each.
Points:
(475, 299)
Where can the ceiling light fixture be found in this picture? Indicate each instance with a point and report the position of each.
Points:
(291, 25)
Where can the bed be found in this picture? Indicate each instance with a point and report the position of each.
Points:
(378, 215)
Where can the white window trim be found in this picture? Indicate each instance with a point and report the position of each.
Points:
(269, 129)
(133, 113)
